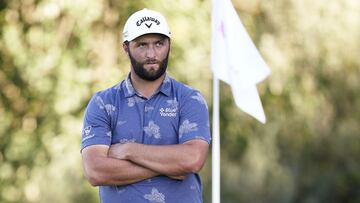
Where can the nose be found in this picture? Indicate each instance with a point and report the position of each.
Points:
(151, 52)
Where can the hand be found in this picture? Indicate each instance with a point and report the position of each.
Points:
(119, 151)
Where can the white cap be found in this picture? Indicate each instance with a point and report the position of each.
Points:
(144, 22)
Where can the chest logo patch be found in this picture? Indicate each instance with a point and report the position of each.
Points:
(171, 109)
(168, 112)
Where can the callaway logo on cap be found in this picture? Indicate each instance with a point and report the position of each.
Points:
(144, 22)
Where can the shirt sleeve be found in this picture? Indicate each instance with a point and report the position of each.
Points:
(194, 119)
(96, 127)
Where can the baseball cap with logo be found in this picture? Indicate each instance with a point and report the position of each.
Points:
(144, 22)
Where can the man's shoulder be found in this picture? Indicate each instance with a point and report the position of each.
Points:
(188, 95)
(182, 88)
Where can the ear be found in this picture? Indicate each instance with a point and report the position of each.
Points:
(126, 47)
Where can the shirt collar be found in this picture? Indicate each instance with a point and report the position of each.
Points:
(128, 88)
(130, 91)
(165, 87)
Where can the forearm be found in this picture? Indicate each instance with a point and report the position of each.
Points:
(103, 170)
(170, 160)
(179, 159)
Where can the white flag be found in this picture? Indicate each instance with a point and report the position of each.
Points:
(235, 59)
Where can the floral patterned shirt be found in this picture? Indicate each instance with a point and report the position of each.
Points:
(175, 114)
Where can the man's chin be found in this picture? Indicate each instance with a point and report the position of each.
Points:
(151, 67)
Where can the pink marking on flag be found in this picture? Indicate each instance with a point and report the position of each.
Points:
(222, 29)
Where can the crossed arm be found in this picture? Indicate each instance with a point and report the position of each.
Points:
(122, 164)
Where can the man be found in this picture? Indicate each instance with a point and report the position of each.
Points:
(146, 138)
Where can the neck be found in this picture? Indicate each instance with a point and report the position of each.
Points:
(144, 87)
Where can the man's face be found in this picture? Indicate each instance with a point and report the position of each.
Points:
(149, 56)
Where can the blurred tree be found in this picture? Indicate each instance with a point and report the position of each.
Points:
(309, 149)
(52, 56)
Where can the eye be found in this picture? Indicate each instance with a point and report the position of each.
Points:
(141, 45)
(160, 43)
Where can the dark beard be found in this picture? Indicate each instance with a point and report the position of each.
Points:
(147, 75)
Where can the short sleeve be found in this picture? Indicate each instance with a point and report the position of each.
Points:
(97, 119)
(194, 119)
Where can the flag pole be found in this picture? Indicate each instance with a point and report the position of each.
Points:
(215, 143)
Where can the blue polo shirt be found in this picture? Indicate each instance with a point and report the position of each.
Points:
(176, 113)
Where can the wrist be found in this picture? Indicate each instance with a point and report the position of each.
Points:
(131, 150)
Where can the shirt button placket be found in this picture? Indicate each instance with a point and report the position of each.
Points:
(146, 108)
(147, 113)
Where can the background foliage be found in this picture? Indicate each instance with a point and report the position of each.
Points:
(54, 54)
